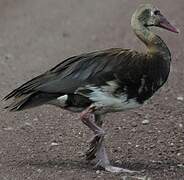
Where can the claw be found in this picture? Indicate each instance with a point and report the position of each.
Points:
(90, 154)
(97, 165)
(95, 145)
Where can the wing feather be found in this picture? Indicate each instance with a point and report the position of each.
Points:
(77, 71)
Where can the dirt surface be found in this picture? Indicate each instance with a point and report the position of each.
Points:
(47, 143)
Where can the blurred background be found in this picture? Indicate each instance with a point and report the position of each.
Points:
(46, 142)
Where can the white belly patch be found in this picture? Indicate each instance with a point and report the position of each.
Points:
(103, 97)
(116, 103)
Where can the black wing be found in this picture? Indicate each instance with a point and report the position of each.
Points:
(78, 71)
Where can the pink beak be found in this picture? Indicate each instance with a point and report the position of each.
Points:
(164, 23)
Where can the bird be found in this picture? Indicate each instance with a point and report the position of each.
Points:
(104, 81)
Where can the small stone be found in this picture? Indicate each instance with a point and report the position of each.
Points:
(137, 145)
(152, 146)
(39, 170)
(181, 125)
(134, 124)
(118, 161)
(54, 144)
(133, 129)
(178, 154)
(8, 128)
(146, 121)
(119, 128)
(35, 119)
(80, 153)
(180, 98)
(27, 124)
(150, 131)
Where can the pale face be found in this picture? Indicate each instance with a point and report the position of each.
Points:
(148, 15)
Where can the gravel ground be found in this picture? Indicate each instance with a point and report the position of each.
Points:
(47, 143)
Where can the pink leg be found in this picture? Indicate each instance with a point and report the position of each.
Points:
(97, 152)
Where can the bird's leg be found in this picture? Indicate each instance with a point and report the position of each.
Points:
(97, 152)
(98, 121)
(94, 123)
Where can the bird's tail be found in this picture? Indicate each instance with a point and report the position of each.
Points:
(25, 101)
(28, 95)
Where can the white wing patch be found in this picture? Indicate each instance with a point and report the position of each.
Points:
(60, 101)
(63, 99)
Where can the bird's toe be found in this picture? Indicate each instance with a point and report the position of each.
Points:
(114, 169)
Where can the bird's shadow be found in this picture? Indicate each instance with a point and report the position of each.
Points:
(148, 165)
(82, 164)
(59, 163)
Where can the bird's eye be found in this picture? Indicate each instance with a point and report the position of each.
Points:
(156, 12)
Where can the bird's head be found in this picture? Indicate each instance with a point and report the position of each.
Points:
(148, 15)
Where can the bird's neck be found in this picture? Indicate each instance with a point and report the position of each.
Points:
(155, 45)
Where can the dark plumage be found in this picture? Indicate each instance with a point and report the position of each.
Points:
(103, 81)
(71, 77)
